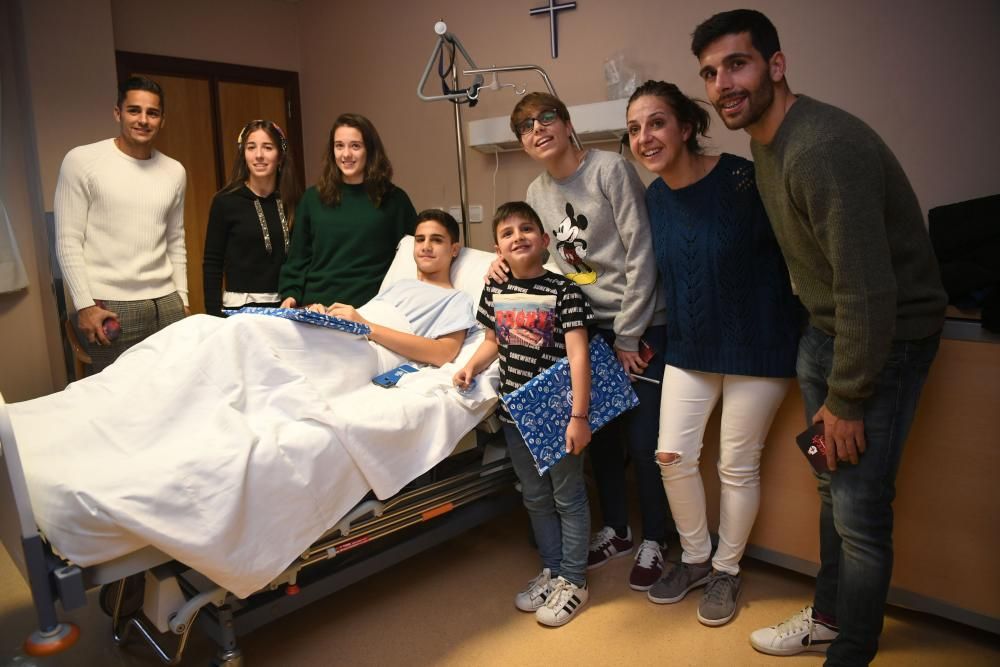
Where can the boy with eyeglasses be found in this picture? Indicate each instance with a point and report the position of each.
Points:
(593, 203)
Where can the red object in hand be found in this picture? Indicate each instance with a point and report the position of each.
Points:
(112, 329)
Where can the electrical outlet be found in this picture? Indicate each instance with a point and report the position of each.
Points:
(476, 213)
(456, 212)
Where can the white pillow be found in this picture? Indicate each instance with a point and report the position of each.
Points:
(467, 271)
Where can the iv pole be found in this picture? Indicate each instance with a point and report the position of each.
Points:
(470, 95)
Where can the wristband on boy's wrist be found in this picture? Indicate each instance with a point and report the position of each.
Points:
(583, 416)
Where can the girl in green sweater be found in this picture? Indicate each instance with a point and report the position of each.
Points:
(348, 225)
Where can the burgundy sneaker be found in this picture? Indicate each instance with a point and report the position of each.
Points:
(648, 566)
(607, 545)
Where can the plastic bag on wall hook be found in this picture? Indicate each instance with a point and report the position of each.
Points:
(620, 75)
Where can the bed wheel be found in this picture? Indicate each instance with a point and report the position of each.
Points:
(60, 638)
(232, 658)
(135, 590)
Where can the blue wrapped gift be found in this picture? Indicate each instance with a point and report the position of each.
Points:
(541, 407)
(307, 317)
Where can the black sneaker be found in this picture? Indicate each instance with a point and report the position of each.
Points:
(648, 566)
(606, 545)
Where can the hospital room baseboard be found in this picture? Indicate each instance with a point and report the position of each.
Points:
(897, 596)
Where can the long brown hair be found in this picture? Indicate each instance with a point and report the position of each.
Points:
(378, 169)
(285, 183)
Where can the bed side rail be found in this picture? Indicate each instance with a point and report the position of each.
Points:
(20, 537)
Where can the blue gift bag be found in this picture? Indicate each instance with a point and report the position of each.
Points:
(541, 407)
(307, 317)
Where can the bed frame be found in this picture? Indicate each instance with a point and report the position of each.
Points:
(149, 594)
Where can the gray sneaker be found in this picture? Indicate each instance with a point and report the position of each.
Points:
(718, 604)
(679, 579)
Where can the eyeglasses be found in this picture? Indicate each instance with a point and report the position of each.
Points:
(544, 119)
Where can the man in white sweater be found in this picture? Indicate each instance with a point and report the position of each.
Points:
(119, 214)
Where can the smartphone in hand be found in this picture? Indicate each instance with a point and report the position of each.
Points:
(646, 351)
(812, 442)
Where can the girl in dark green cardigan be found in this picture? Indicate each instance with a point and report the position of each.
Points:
(348, 225)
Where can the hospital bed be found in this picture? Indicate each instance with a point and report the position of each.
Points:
(411, 467)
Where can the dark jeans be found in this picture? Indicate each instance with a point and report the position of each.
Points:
(638, 428)
(855, 523)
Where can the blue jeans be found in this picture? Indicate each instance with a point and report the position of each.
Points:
(638, 428)
(558, 508)
(855, 522)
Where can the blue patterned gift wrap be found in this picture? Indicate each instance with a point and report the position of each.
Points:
(306, 317)
(541, 407)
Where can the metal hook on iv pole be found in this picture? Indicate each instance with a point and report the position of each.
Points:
(458, 96)
(495, 84)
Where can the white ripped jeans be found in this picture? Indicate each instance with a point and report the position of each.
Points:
(748, 407)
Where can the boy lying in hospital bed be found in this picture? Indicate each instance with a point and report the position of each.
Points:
(230, 445)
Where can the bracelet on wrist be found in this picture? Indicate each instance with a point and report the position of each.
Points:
(575, 416)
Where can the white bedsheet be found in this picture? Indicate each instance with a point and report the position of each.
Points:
(236, 460)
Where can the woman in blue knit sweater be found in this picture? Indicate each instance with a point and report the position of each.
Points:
(732, 333)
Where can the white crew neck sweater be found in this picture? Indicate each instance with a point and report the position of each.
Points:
(120, 225)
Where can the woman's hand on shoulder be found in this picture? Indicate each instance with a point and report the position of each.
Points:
(497, 272)
(289, 302)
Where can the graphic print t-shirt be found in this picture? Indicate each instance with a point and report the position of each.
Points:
(530, 317)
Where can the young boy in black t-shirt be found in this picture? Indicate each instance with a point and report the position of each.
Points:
(533, 320)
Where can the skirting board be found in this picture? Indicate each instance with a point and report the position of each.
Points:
(897, 596)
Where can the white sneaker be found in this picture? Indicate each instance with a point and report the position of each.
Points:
(564, 601)
(534, 596)
(796, 634)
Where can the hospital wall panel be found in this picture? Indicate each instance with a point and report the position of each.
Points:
(946, 505)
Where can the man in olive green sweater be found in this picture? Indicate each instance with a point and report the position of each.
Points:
(852, 232)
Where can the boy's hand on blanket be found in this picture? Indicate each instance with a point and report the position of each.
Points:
(464, 378)
(289, 302)
(577, 435)
(497, 272)
(345, 312)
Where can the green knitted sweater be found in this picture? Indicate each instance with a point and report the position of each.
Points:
(853, 235)
(341, 253)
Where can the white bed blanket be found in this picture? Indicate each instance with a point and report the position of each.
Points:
(232, 445)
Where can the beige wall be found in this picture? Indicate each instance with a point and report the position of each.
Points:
(260, 33)
(30, 361)
(911, 68)
(71, 76)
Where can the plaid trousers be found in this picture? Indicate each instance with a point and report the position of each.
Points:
(139, 320)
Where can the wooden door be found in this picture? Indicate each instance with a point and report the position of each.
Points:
(188, 137)
(206, 106)
(239, 103)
